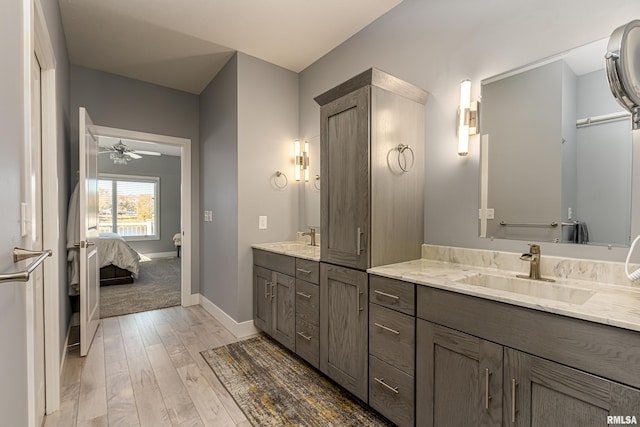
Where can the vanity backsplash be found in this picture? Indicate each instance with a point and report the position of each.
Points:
(551, 266)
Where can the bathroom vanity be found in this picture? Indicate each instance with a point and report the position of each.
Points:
(455, 338)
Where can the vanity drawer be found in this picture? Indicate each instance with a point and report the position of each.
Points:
(307, 301)
(308, 270)
(395, 294)
(391, 392)
(276, 262)
(307, 342)
(392, 337)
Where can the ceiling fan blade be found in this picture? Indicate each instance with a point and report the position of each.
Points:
(148, 153)
(105, 152)
(133, 155)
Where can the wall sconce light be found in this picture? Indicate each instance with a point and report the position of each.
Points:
(468, 120)
(301, 161)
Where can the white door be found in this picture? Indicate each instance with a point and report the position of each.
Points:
(89, 272)
(32, 231)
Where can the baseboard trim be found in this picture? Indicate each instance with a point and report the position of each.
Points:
(154, 255)
(239, 330)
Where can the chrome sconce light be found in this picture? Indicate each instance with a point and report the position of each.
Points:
(301, 161)
(468, 118)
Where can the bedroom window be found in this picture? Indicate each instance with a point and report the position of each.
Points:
(129, 206)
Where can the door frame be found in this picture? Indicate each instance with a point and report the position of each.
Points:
(38, 40)
(185, 196)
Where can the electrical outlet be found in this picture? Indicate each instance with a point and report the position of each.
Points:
(490, 213)
(569, 213)
(262, 222)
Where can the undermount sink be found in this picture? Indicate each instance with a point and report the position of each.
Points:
(534, 288)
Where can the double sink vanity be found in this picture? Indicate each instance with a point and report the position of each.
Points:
(456, 338)
(441, 336)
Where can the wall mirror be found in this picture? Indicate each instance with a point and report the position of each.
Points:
(556, 153)
(312, 187)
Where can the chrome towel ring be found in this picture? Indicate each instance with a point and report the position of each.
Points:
(278, 182)
(402, 148)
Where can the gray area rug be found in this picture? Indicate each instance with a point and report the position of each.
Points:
(157, 286)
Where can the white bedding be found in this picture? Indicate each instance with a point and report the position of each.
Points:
(112, 249)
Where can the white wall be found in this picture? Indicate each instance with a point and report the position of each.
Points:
(436, 45)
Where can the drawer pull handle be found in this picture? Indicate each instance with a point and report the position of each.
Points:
(384, 294)
(302, 294)
(487, 398)
(273, 290)
(514, 384)
(306, 337)
(393, 331)
(302, 270)
(381, 381)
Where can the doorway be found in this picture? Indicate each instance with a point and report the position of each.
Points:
(183, 147)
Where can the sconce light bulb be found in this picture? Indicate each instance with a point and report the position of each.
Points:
(463, 124)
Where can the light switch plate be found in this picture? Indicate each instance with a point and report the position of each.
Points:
(490, 213)
(262, 222)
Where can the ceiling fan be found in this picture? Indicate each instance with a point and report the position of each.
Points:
(121, 154)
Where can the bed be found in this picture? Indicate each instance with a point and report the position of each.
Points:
(118, 262)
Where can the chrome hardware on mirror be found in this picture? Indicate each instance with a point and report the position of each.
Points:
(623, 71)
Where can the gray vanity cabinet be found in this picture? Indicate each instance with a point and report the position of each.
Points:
(392, 332)
(458, 378)
(371, 128)
(343, 327)
(493, 364)
(274, 296)
(308, 311)
(538, 392)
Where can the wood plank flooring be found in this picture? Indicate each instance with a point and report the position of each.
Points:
(145, 369)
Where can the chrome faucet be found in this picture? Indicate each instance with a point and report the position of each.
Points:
(311, 233)
(533, 256)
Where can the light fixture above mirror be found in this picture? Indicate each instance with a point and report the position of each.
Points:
(467, 118)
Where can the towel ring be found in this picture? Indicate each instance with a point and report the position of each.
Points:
(279, 174)
(316, 183)
(401, 149)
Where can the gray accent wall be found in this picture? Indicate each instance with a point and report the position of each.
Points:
(125, 103)
(248, 122)
(167, 168)
(411, 43)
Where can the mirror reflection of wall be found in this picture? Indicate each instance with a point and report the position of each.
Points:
(312, 188)
(548, 161)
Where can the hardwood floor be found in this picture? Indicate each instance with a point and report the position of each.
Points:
(145, 369)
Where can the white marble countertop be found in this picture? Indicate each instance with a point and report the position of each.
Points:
(609, 304)
(293, 248)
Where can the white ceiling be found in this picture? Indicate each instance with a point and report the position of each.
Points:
(182, 44)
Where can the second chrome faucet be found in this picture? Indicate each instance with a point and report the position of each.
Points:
(533, 256)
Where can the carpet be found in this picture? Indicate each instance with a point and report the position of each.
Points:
(274, 387)
(157, 286)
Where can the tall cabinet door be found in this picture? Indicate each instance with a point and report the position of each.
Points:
(458, 378)
(262, 288)
(284, 314)
(345, 180)
(343, 327)
(538, 392)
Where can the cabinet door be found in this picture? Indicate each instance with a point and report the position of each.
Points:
(458, 378)
(284, 310)
(538, 392)
(345, 180)
(262, 298)
(343, 327)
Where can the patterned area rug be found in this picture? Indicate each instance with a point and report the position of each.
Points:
(274, 387)
(157, 286)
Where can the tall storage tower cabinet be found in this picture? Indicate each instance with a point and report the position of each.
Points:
(372, 207)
